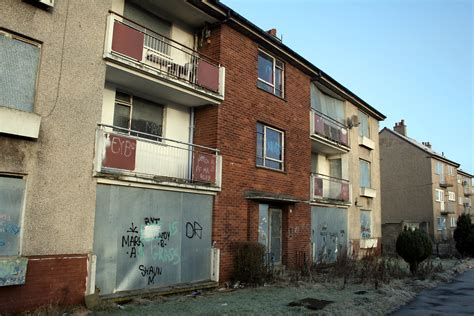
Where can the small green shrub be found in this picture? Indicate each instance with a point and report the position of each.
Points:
(464, 235)
(249, 263)
(413, 246)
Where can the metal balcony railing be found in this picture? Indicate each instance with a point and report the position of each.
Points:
(155, 52)
(127, 152)
(328, 188)
(329, 128)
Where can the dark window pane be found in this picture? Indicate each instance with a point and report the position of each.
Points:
(265, 67)
(259, 161)
(273, 144)
(147, 117)
(259, 145)
(121, 116)
(265, 86)
(273, 164)
(260, 128)
(122, 97)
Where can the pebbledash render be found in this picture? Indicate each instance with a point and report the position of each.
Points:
(142, 140)
(420, 189)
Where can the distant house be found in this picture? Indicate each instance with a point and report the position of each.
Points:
(420, 188)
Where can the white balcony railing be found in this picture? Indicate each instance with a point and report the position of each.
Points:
(126, 152)
(330, 189)
(329, 128)
(129, 42)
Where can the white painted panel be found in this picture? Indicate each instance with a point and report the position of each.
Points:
(108, 104)
(20, 123)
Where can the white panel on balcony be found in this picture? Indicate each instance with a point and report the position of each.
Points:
(366, 142)
(368, 192)
(20, 123)
(368, 243)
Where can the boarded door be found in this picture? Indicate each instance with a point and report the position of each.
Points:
(151, 238)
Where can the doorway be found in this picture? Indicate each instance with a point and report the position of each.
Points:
(270, 232)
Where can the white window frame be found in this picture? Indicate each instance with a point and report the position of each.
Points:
(39, 46)
(264, 155)
(451, 196)
(441, 171)
(272, 84)
(439, 195)
(450, 171)
(453, 221)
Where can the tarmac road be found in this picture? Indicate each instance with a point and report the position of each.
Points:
(454, 298)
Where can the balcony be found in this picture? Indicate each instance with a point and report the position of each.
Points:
(448, 207)
(444, 183)
(143, 60)
(150, 158)
(329, 135)
(329, 189)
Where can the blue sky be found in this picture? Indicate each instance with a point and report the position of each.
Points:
(411, 59)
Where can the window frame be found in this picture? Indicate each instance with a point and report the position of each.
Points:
(39, 45)
(453, 222)
(363, 211)
(450, 170)
(129, 104)
(441, 220)
(441, 168)
(274, 67)
(439, 193)
(362, 114)
(264, 148)
(370, 173)
(451, 196)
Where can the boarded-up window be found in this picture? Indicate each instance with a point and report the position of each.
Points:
(19, 60)
(365, 224)
(12, 191)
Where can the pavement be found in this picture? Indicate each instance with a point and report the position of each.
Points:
(454, 298)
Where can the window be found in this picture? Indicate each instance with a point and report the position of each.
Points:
(12, 191)
(270, 74)
(450, 171)
(439, 195)
(459, 179)
(269, 147)
(137, 114)
(327, 105)
(439, 168)
(441, 223)
(460, 200)
(453, 221)
(364, 125)
(365, 178)
(19, 62)
(451, 196)
(365, 224)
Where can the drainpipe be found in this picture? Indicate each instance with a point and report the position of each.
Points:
(191, 139)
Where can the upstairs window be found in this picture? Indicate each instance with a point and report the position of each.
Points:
(441, 223)
(450, 171)
(439, 195)
(365, 177)
(451, 196)
(270, 74)
(439, 168)
(269, 147)
(327, 105)
(138, 115)
(364, 125)
(19, 62)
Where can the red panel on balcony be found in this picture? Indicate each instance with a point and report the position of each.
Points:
(208, 75)
(120, 152)
(204, 167)
(318, 124)
(127, 41)
(345, 192)
(318, 187)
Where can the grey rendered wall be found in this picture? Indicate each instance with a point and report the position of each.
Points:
(406, 181)
(60, 198)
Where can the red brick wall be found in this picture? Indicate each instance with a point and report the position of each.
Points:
(49, 280)
(235, 218)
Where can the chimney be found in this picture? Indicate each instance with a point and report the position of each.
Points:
(400, 128)
(427, 144)
(272, 32)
